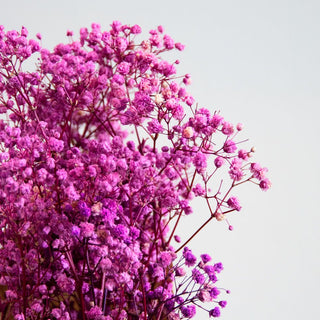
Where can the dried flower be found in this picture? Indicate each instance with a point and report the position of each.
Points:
(99, 164)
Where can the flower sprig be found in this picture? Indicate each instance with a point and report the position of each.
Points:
(102, 150)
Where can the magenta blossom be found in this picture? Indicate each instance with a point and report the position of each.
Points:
(102, 150)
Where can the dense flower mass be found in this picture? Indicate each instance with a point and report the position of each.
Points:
(102, 150)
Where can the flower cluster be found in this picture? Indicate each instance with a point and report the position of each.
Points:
(102, 150)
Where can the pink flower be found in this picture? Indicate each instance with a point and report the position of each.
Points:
(204, 296)
(123, 67)
(243, 154)
(95, 313)
(200, 161)
(135, 29)
(168, 42)
(87, 229)
(236, 173)
(229, 146)
(233, 203)
(72, 193)
(218, 162)
(198, 190)
(179, 46)
(216, 120)
(154, 126)
(165, 259)
(257, 171)
(239, 126)
(265, 184)
(11, 295)
(227, 128)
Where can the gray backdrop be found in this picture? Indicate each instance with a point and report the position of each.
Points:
(257, 62)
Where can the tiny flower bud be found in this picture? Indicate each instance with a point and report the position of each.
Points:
(46, 229)
(188, 132)
(160, 29)
(239, 126)
(158, 98)
(218, 162)
(187, 79)
(219, 216)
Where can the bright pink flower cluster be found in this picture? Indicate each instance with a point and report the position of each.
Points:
(101, 152)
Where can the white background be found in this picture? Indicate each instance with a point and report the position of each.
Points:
(257, 62)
